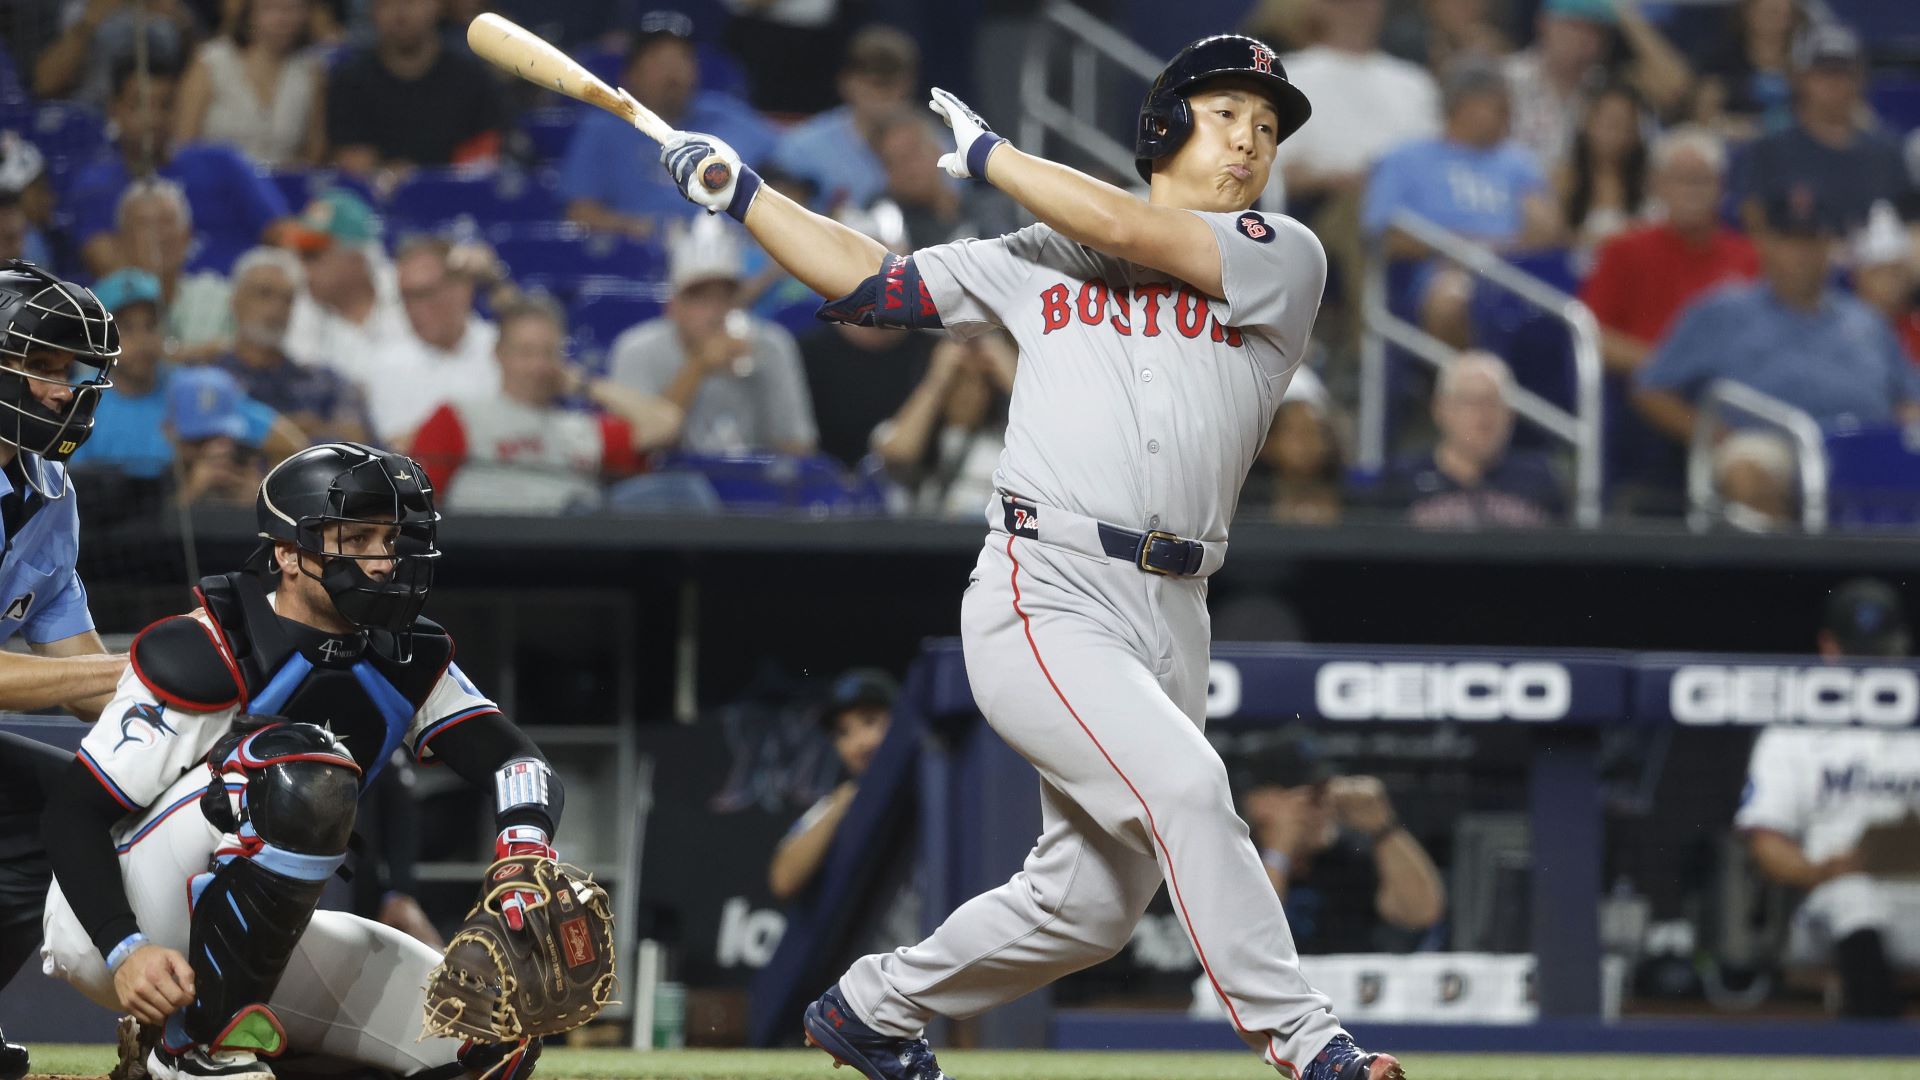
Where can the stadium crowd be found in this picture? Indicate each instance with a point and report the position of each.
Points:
(324, 219)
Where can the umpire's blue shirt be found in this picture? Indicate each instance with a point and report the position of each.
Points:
(40, 591)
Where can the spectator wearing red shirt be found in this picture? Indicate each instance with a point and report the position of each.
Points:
(1644, 277)
(523, 450)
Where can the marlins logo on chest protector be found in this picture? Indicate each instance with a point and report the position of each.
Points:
(255, 660)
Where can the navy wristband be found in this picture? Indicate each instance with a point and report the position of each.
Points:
(977, 154)
(746, 184)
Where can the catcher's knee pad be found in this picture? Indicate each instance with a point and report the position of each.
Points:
(296, 816)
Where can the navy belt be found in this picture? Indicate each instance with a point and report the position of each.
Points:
(1154, 552)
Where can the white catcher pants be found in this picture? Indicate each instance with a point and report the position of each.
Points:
(1097, 674)
(353, 989)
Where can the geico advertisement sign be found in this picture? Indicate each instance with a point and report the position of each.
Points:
(1470, 690)
(1712, 694)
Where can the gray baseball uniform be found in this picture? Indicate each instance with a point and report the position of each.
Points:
(1140, 403)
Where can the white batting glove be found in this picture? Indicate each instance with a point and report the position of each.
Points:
(682, 156)
(973, 139)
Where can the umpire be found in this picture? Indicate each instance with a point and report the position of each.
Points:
(57, 348)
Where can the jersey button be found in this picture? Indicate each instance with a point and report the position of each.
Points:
(1153, 446)
(1146, 374)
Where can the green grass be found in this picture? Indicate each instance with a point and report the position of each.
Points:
(1120, 1065)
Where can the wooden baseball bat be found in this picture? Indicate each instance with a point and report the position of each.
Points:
(511, 47)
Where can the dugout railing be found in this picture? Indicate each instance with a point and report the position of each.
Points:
(1796, 426)
(1580, 426)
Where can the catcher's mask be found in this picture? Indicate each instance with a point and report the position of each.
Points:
(53, 334)
(332, 484)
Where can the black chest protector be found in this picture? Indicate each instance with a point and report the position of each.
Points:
(270, 666)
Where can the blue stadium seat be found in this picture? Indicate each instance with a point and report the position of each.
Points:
(1873, 477)
(433, 199)
(720, 72)
(302, 186)
(69, 135)
(1890, 29)
(549, 130)
(600, 314)
(767, 483)
(1896, 102)
(565, 258)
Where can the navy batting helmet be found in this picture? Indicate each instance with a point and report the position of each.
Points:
(1165, 118)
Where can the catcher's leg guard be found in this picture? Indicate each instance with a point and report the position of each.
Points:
(296, 817)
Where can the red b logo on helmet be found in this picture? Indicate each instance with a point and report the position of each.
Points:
(1262, 60)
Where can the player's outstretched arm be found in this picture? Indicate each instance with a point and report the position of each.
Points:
(1081, 208)
(75, 672)
(88, 648)
(828, 257)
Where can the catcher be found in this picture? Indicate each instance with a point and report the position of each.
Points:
(208, 807)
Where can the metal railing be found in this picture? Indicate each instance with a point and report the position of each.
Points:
(1802, 432)
(1087, 43)
(1579, 428)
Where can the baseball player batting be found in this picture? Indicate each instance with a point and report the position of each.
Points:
(57, 349)
(193, 833)
(1156, 339)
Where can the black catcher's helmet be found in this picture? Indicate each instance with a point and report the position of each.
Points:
(337, 482)
(43, 321)
(1165, 118)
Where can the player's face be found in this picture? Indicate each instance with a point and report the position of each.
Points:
(372, 543)
(1223, 165)
(857, 734)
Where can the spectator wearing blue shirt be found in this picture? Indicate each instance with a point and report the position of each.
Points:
(321, 402)
(611, 177)
(834, 150)
(1471, 180)
(130, 433)
(1848, 167)
(1474, 478)
(1790, 335)
(234, 207)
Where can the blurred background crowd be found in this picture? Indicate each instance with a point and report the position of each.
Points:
(327, 219)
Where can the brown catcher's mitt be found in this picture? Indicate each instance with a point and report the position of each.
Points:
(498, 984)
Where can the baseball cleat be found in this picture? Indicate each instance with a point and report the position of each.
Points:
(13, 1059)
(831, 1025)
(196, 1063)
(1342, 1060)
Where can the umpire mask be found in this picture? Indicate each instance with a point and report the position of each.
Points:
(54, 335)
(306, 496)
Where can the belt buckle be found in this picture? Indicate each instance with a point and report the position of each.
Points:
(1146, 545)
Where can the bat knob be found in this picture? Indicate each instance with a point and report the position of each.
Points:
(716, 175)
